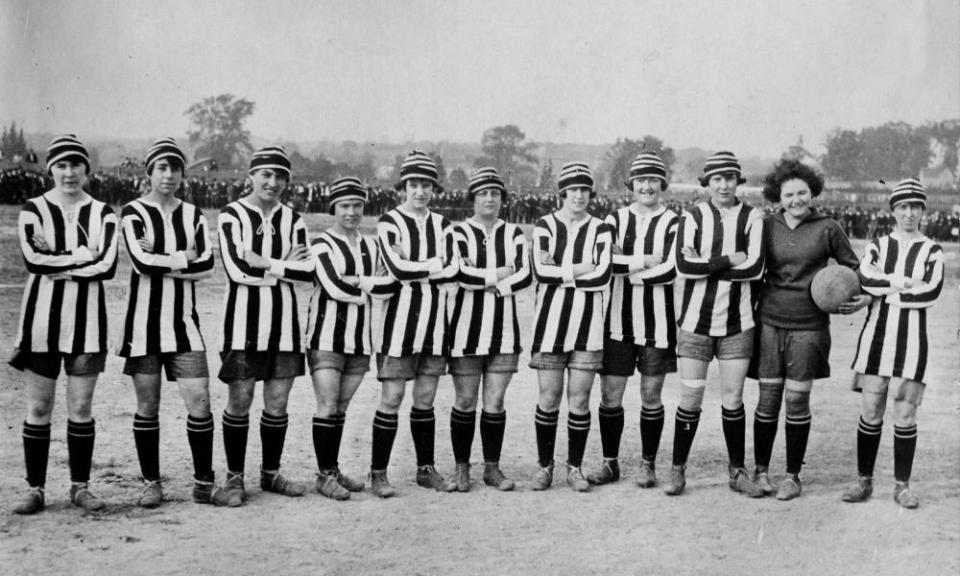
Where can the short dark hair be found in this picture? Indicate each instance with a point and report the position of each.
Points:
(174, 162)
(789, 169)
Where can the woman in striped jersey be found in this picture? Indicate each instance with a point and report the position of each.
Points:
(904, 271)
(719, 254)
(263, 244)
(169, 246)
(640, 330)
(571, 262)
(338, 338)
(69, 245)
(794, 339)
(417, 247)
(484, 331)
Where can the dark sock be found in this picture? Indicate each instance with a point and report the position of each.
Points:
(578, 428)
(904, 447)
(423, 426)
(764, 436)
(384, 432)
(273, 433)
(324, 429)
(685, 429)
(200, 437)
(611, 429)
(36, 451)
(734, 432)
(797, 430)
(651, 428)
(546, 423)
(146, 436)
(341, 420)
(492, 427)
(868, 442)
(80, 439)
(235, 440)
(462, 426)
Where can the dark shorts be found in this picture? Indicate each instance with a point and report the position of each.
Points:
(175, 365)
(243, 365)
(346, 364)
(409, 367)
(47, 364)
(577, 359)
(622, 358)
(800, 355)
(705, 348)
(477, 365)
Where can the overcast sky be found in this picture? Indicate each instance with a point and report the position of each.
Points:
(749, 75)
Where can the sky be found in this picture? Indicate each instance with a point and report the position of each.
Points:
(746, 75)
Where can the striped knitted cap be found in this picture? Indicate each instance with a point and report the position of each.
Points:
(273, 157)
(163, 148)
(483, 179)
(575, 174)
(67, 147)
(346, 188)
(722, 163)
(648, 165)
(908, 190)
(418, 164)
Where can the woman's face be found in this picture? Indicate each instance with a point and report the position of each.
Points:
(69, 176)
(795, 197)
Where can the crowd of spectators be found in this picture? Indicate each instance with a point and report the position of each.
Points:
(17, 184)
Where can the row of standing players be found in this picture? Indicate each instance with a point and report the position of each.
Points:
(604, 303)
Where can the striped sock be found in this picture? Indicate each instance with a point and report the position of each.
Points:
(36, 451)
(546, 423)
(384, 433)
(492, 427)
(611, 429)
(462, 427)
(868, 443)
(423, 428)
(273, 433)
(685, 429)
(734, 432)
(578, 428)
(797, 430)
(904, 447)
(200, 437)
(764, 436)
(235, 430)
(651, 428)
(80, 440)
(324, 429)
(146, 436)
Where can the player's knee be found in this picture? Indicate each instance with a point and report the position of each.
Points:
(691, 394)
(905, 413)
(148, 408)
(798, 403)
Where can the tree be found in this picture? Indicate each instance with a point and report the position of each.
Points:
(546, 175)
(894, 150)
(12, 141)
(844, 157)
(458, 179)
(617, 160)
(218, 130)
(504, 148)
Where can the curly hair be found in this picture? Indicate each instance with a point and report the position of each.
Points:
(787, 169)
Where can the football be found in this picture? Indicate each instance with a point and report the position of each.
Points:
(833, 286)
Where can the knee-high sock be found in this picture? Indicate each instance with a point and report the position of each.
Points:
(868, 442)
(578, 428)
(685, 429)
(200, 437)
(734, 432)
(36, 452)
(324, 431)
(235, 430)
(492, 427)
(384, 433)
(611, 429)
(462, 427)
(651, 428)
(80, 440)
(146, 436)
(423, 427)
(797, 432)
(273, 433)
(546, 435)
(765, 420)
(904, 447)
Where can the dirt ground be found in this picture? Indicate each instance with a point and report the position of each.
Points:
(614, 529)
